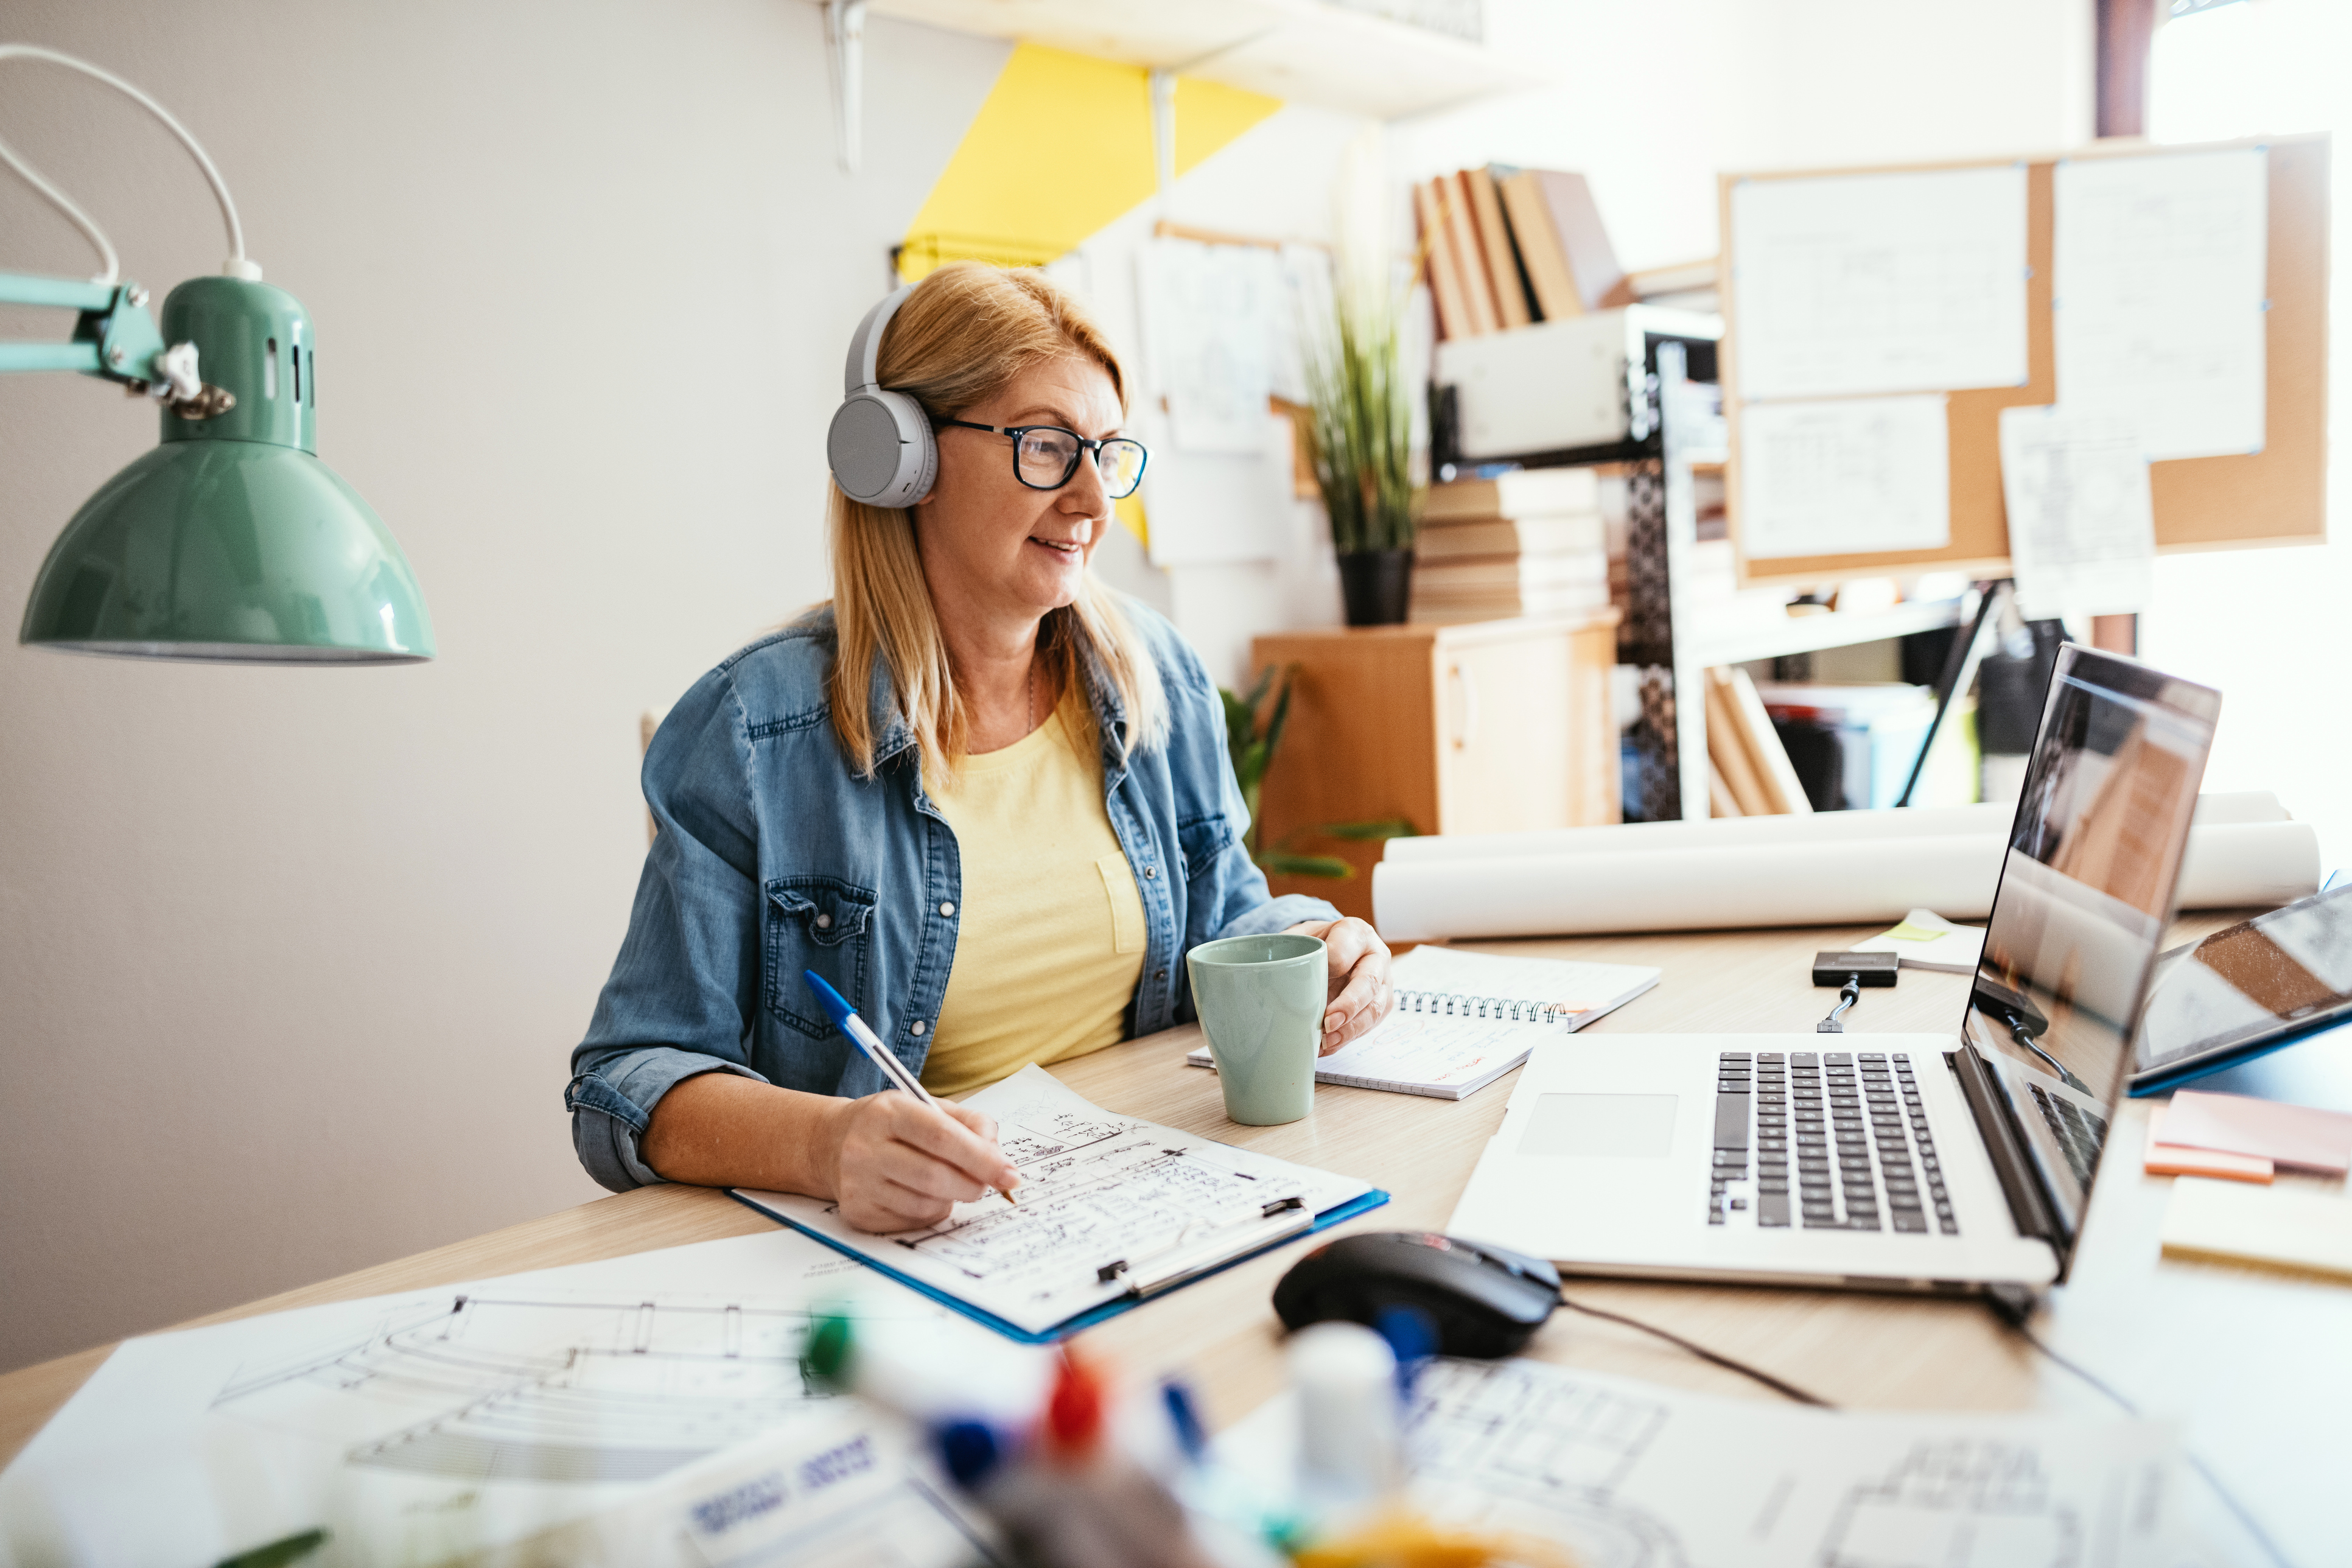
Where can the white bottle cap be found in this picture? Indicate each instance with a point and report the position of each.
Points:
(1351, 1427)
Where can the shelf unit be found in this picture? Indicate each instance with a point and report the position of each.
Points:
(1673, 432)
(1301, 50)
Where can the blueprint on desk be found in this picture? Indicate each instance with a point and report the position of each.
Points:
(1632, 1474)
(660, 1392)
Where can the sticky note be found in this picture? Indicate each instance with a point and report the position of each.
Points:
(2283, 1227)
(1906, 932)
(2291, 1135)
(2165, 1159)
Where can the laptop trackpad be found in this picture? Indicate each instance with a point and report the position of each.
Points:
(1608, 1126)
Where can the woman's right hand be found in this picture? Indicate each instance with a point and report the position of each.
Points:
(900, 1165)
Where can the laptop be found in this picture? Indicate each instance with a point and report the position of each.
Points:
(1915, 1161)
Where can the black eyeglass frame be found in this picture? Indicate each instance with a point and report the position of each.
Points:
(1086, 447)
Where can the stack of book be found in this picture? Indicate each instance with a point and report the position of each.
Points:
(1749, 771)
(1509, 246)
(1526, 543)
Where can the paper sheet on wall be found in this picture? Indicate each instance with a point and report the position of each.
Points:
(2082, 522)
(1880, 283)
(1211, 313)
(1845, 476)
(1622, 1472)
(2157, 305)
(443, 1423)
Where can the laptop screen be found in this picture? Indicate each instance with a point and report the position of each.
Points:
(2086, 891)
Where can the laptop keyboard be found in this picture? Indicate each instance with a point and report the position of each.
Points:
(1865, 1158)
(2079, 1133)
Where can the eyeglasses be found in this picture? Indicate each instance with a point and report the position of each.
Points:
(1045, 457)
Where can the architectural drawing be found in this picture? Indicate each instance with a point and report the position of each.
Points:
(1102, 1198)
(1957, 1504)
(492, 1387)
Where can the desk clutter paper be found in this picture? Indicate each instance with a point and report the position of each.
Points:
(2082, 515)
(1106, 1200)
(1896, 283)
(1465, 1019)
(1926, 940)
(1830, 867)
(2296, 1229)
(2157, 307)
(461, 1423)
(1623, 1472)
(1844, 476)
(2299, 1137)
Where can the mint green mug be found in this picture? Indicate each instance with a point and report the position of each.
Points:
(1261, 1001)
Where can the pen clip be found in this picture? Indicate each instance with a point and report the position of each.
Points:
(1182, 1260)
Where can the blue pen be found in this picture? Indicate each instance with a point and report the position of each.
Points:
(846, 1020)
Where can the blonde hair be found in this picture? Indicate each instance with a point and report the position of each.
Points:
(959, 340)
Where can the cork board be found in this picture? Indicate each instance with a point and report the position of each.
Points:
(2276, 496)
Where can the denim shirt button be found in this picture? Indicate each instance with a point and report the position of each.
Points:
(1159, 974)
(823, 921)
(1150, 872)
(948, 910)
(917, 1027)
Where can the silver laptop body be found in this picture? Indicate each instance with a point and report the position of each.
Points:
(1904, 1161)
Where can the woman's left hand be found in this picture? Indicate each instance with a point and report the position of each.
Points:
(1360, 994)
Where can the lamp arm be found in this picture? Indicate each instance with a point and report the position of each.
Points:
(236, 266)
(113, 337)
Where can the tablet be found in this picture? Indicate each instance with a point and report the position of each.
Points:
(2250, 988)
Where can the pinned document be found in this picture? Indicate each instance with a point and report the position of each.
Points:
(1844, 476)
(1210, 314)
(2157, 302)
(2082, 522)
(1896, 282)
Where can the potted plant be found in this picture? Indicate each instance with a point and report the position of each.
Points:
(1359, 436)
(1251, 745)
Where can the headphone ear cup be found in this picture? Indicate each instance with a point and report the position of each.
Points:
(881, 449)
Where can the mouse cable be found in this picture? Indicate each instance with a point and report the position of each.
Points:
(1713, 1358)
(2012, 1310)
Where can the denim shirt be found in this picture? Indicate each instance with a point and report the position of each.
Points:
(775, 855)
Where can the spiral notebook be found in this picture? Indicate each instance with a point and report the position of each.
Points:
(1465, 1019)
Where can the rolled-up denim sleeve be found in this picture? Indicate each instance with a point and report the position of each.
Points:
(682, 991)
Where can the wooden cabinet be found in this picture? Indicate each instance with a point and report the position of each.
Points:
(1497, 726)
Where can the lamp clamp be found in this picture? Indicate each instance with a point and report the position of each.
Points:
(113, 337)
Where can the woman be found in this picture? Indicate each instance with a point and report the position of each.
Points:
(984, 797)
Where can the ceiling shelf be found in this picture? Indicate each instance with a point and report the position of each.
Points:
(1303, 51)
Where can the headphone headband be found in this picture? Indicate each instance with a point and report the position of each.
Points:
(865, 343)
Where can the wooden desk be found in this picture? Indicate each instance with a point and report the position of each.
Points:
(2257, 1363)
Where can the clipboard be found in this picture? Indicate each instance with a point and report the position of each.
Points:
(1249, 1247)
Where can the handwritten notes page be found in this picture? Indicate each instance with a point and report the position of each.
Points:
(1465, 1019)
(2082, 522)
(2157, 296)
(1098, 1190)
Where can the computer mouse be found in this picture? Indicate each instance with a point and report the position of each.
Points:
(1482, 1300)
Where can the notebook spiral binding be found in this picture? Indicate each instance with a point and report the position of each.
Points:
(1453, 1004)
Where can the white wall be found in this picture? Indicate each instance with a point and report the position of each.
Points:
(1654, 100)
(291, 959)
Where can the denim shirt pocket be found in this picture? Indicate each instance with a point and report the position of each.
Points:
(1201, 840)
(820, 923)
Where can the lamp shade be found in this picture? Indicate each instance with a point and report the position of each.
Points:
(231, 540)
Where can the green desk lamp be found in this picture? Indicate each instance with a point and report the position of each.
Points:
(230, 542)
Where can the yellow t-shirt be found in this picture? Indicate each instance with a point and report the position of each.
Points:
(1050, 936)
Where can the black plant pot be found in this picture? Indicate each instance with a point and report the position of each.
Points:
(1377, 586)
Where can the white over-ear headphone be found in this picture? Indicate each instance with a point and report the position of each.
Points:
(880, 446)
